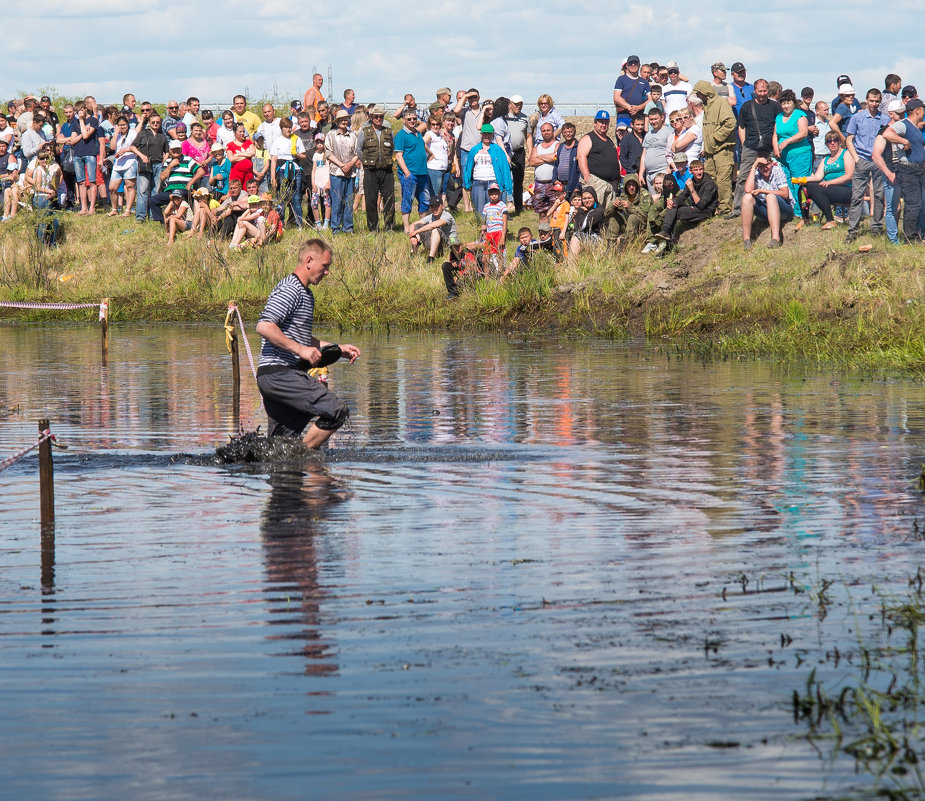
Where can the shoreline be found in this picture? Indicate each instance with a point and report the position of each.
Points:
(816, 299)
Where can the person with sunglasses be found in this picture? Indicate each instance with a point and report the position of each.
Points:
(150, 147)
(172, 120)
(630, 92)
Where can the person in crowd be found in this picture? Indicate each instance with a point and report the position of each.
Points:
(543, 160)
(286, 171)
(192, 112)
(270, 127)
(654, 102)
(633, 209)
(232, 206)
(210, 126)
(521, 144)
(892, 86)
(180, 174)
(830, 184)
(655, 145)
(907, 136)
(443, 103)
(766, 196)
(435, 230)
(150, 148)
(756, 120)
(313, 95)
(375, 148)
(687, 137)
(340, 153)
(438, 155)
(722, 88)
(494, 227)
(630, 92)
(844, 107)
(219, 172)
(486, 165)
(791, 144)
(566, 163)
(549, 114)
(587, 223)
(820, 147)
(172, 120)
(718, 128)
(885, 157)
(696, 202)
(261, 163)
(471, 117)
(86, 156)
(675, 93)
(203, 221)
(42, 177)
(178, 216)
(241, 114)
(250, 229)
(860, 134)
(197, 147)
(9, 181)
(599, 161)
(34, 138)
(321, 185)
(225, 132)
(125, 166)
(358, 121)
(240, 152)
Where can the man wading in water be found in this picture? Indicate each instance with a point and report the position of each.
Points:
(291, 397)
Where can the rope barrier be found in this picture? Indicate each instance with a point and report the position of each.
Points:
(233, 310)
(11, 460)
(10, 304)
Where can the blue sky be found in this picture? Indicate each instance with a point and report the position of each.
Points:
(572, 49)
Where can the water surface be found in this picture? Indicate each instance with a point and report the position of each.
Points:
(529, 569)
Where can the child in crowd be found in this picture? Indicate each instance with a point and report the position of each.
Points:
(494, 212)
(261, 161)
(321, 183)
(664, 187)
(178, 216)
(251, 225)
(219, 172)
(203, 213)
(655, 100)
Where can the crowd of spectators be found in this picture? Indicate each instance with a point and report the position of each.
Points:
(679, 153)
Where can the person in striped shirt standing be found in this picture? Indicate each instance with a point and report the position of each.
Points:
(291, 397)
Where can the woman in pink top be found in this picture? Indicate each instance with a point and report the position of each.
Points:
(197, 147)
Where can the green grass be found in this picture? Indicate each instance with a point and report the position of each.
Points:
(815, 298)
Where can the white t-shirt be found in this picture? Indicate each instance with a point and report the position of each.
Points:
(271, 132)
(482, 169)
(282, 148)
(545, 172)
(675, 96)
(122, 142)
(224, 135)
(441, 150)
(694, 150)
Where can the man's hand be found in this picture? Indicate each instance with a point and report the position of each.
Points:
(352, 351)
(310, 354)
(669, 204)
(689, 185)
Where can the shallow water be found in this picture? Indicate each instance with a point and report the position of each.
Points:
(529, 569)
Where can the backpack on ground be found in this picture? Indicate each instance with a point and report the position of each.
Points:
(48, 231)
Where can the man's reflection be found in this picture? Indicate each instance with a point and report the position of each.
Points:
(290, 522)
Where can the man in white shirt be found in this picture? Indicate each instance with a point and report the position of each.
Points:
(675, 93)
(269, 127)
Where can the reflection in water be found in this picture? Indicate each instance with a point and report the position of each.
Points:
(289, 525)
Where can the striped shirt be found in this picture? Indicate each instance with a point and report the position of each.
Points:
(291, 306)
(181, 174)
(494, 216)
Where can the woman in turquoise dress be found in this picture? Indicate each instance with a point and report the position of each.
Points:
(791, 142)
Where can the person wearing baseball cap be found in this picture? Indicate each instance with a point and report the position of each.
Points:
(599, 161)
(720, 85)
(742, 91)
(908, 179)
(630, 92)
(443, 102)
(518, 129)
(486, 166)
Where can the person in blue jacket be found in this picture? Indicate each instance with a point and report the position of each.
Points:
(487, 164)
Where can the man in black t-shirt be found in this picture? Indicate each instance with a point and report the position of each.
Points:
(150, 146)
(756, 129)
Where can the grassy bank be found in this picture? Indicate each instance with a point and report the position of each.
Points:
(814, 298)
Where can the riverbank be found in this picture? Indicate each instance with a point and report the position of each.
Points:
(815, 298)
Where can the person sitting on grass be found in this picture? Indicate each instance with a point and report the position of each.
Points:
(250, 228)
(435, 230)
(528, 246)
(232, 206)
(273, 221)
(587, 223)
(203, 213)
(462, 261)
(177, 215)
(696, 202)
(664, 188)
(634, 207)
(767, 196)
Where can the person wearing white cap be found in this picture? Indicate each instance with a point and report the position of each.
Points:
(843, 109)
(518, 127)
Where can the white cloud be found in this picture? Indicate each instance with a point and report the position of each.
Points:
(572, 50)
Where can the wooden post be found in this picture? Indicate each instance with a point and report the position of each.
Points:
(104, 329)
(46, 479)
(231, 339)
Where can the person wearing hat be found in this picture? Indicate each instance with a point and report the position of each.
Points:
(518, 128)
(486, 165)
(719, 125)
(340, 152)
(631, 208)
(435, 230)
(844, 107)
(860, 135)
(220, 171)
(630, 92)
(907, 134)
(599, 161)
(719, 83)
(443, 102)
(177, 215)
(203, 213)
(376, 149)
(180, 174)
(49, 112)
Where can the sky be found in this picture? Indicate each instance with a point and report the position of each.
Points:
(572, 50)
